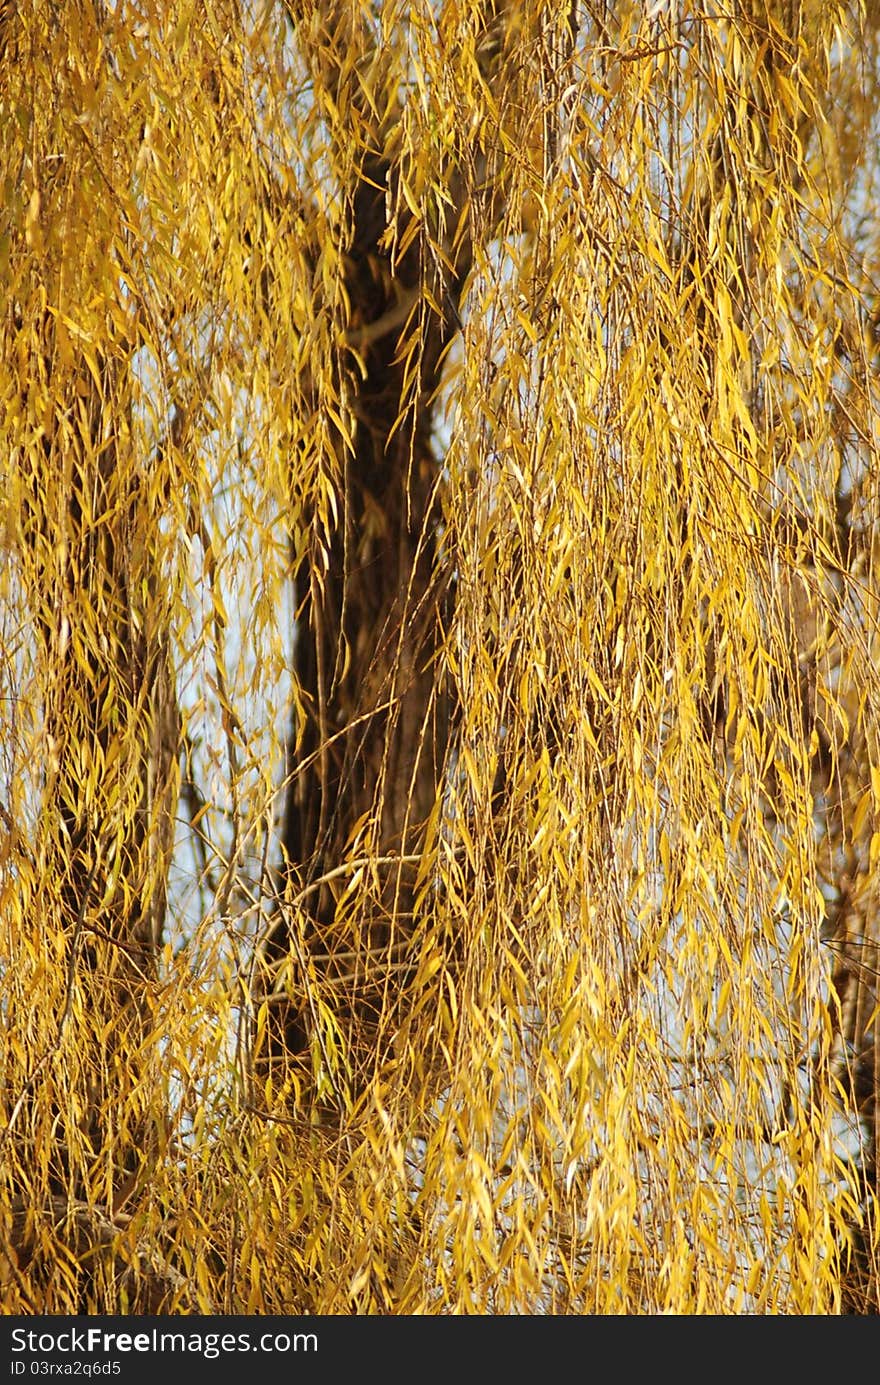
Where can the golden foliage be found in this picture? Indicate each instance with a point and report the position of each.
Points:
(623, 1048)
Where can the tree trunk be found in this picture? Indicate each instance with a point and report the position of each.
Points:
(111, 730)
(365, 766)
(86, 502)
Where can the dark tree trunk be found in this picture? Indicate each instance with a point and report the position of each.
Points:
(111, 730)
(368, 630)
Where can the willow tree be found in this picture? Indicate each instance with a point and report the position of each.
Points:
(439, 473)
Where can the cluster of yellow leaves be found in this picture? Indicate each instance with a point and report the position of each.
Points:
(618, 1089)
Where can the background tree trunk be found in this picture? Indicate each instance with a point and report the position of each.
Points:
(88, 560)
(366, 763)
